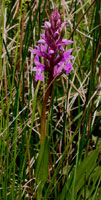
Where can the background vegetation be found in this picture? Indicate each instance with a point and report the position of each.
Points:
(69, 163)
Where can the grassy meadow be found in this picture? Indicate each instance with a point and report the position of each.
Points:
(67, 165)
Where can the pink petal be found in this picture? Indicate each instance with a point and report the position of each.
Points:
(56, 34)
(47, 24)
(67, 53)
(43, 36)
(51, 51)
(37, 63)
(58, 69)
(63, 24)
(42, 41)
(34, 51)
(68, 67)
(39, 77)
(34, 69)
(44, 48)
(65, 42)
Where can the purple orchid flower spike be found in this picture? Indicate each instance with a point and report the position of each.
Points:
(51, 48)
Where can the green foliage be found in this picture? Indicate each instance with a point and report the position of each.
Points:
(42, 167)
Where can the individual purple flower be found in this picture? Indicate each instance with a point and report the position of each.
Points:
(38, 69)
(51, 48)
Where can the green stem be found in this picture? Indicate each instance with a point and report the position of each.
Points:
(43, 130)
